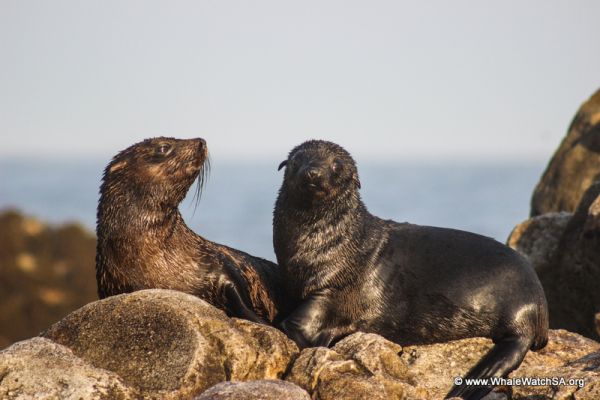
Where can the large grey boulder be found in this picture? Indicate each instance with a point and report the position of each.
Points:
(574, 166)
(565, 252)
(537, 238)
(41, 369)
(169, 344)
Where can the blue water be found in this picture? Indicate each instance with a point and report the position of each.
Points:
(236, 207)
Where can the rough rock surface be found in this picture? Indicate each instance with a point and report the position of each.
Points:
(40, 369)
(568, 356)
(255, 390)
(157, 344)
(567, 262)
(169, 344)
(598, 324)
(574, 166)
(437, 365)
(368, 366)
(538, 237)
(359, 366)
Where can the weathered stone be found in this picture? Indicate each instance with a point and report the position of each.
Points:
(598, 324)
(368, 366)
(537, 238)
(437, 365)
(568, 268)
(170, 344)
(574, 166)
(568, 362)
(360, 366)
(591, 391)
(255, 390)
(563, 347)
(592, 222)
(41, 369)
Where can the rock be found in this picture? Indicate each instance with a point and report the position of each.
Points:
(169, 344)
(46, 272)
(538, 237)
(598, 324)
(563, 347)
(39, 368)
(574, 166)
(255, 390)
(567, 365)
(592, 222)
(567, 262)
(437, 365)
(359, 366)
(369, 366)
(570, 360)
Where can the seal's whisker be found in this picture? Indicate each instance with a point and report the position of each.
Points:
(201, 180)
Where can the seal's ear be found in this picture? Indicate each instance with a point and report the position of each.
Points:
(283, 164)
(117, 166)
(356, 180)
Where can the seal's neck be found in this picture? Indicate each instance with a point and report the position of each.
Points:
(310, 242)
(123, 215)
(319, 215)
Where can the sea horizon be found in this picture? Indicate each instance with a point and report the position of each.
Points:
(488, 197)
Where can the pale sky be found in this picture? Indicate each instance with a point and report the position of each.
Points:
(386, 79)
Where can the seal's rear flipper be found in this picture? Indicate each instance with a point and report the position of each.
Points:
(501, 360)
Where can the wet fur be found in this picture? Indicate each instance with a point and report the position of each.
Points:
(144, 243)
(348, 270)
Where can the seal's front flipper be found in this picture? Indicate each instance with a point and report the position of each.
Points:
(500, 361)
(237, 307)
(306, 325)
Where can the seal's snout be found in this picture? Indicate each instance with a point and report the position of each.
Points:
(201, 148)
(312, 173)
(201, 145)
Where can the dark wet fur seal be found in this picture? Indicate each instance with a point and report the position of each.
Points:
(349, 271)
(144, 243)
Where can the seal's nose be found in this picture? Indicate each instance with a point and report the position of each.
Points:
(201, 149)
(313, 173)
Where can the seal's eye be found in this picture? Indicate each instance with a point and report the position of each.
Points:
(163, 149)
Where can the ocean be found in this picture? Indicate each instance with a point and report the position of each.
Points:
(236, 206)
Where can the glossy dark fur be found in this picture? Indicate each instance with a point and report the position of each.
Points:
(349, 271)
(144, 243)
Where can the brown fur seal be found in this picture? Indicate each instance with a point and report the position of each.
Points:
(144, 243)
(349, 271)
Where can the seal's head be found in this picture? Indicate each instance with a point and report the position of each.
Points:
(157, 171)
(318, 171)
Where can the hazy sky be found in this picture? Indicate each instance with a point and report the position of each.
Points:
(386, 79)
